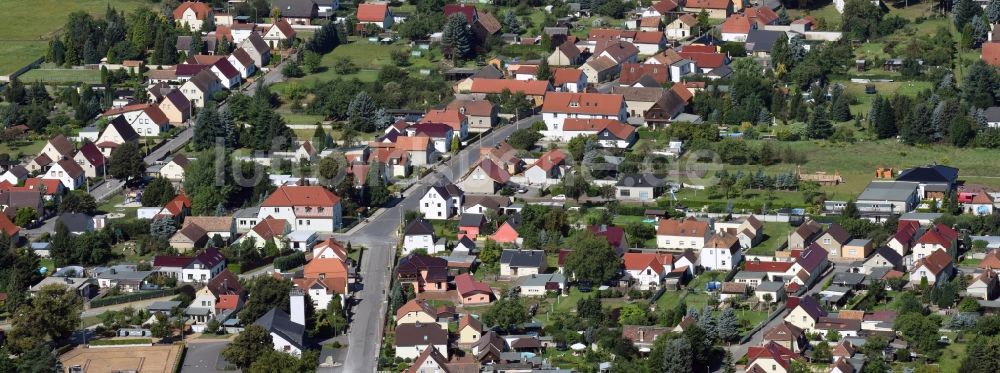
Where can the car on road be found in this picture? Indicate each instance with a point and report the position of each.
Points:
(561, 197)
(522, 190)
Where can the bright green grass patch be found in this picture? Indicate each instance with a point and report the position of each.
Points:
(62, 76)
(775, 234)
(27, 26)
(119, 342)
(22, 148)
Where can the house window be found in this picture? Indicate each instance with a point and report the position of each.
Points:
(624, 192)
(826, 241)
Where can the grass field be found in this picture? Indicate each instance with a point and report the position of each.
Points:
(857, 162)
(16, 150)
(27, 26)
(62, 76)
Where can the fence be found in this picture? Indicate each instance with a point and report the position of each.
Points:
(102, 302)
(22, 70)
(721, 215)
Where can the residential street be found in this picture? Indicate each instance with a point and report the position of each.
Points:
(379, 235)
(740, 350)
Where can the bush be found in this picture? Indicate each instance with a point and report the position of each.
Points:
(290, 261)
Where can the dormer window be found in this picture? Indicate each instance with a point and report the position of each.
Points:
(574, 104)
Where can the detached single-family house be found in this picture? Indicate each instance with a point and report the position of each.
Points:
(297, 12)
(486, 178)
(771, 357)
(472, 292)
(419, 234)
(645, 270)
(174, 170)
(377, 14)
(242, 62)
(787, 335)
(516, 263)
(413, 339)
(200, 88)
(681, 28)
(192, 14)
(938, 237)
(89, 157)
(805, 312)
(833, 240)
(481, 115)
(718, 9)
(470, 329)
(441, 202)
(682, 234)
(258, 50)
(566, 79)
(68, 172)
(936, 268)
(537, 285)
(566, 54)
(305, 207)
(985, 286)
(721, 252)
(176, 107)
(424, 273)
(637, 187)
(548, 169)
(804, 235)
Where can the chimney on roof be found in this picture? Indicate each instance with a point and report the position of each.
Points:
(298, 306)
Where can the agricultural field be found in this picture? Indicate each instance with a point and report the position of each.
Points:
(28, 26)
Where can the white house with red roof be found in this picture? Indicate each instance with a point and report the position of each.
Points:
(566, 79)
(738, 26)
(981, 204)
(277, 33)
(486, 178)
(452, 117)
(226, 73)
(146, 119)
(548, 169)
(377, 14)
(68, 172)
(646, 270)
(192, 14)
(937, 237)
(770, 358)
(560, 106)
(307, 207)
(329, 249)
(936, 268)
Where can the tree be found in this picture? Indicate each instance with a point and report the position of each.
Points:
(822, 354)
(729, 325)
(158, 192)
(506, 313)
(819, 126)
(126, 162)
(330, 167)
(266, 292)
(456, 145)
(456, 39)
(982, 356)
(51, 314)
(920, 331)
(968, 305)
(524, 138)
(980, 84)
(992, 11)
(677, 357)
(25, 216)
(544, 71)
(253, 343)
(361, 112)
(861, 19)
(161, 328)
(593, 259)
(162, 228)
(963, 12)
(574, 185)
(631, 314)
(511, 24)
(335, 315)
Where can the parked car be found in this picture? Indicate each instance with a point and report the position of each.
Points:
(561, 197)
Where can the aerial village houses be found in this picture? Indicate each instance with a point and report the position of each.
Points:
(682, 234)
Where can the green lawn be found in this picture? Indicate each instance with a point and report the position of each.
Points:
(775, 234)
(27, 26)
(46, 75)
(22, 148)
(857, 162)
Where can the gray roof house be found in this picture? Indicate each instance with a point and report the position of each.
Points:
(636, 187)
(540, 284)
(881, 199)
(515, 263)
(760, 42)
(279, 323)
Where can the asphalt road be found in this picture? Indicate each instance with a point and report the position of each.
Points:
(380, 235)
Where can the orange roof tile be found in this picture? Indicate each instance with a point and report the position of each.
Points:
(583, 103)
(308, 195)
(372, 12)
